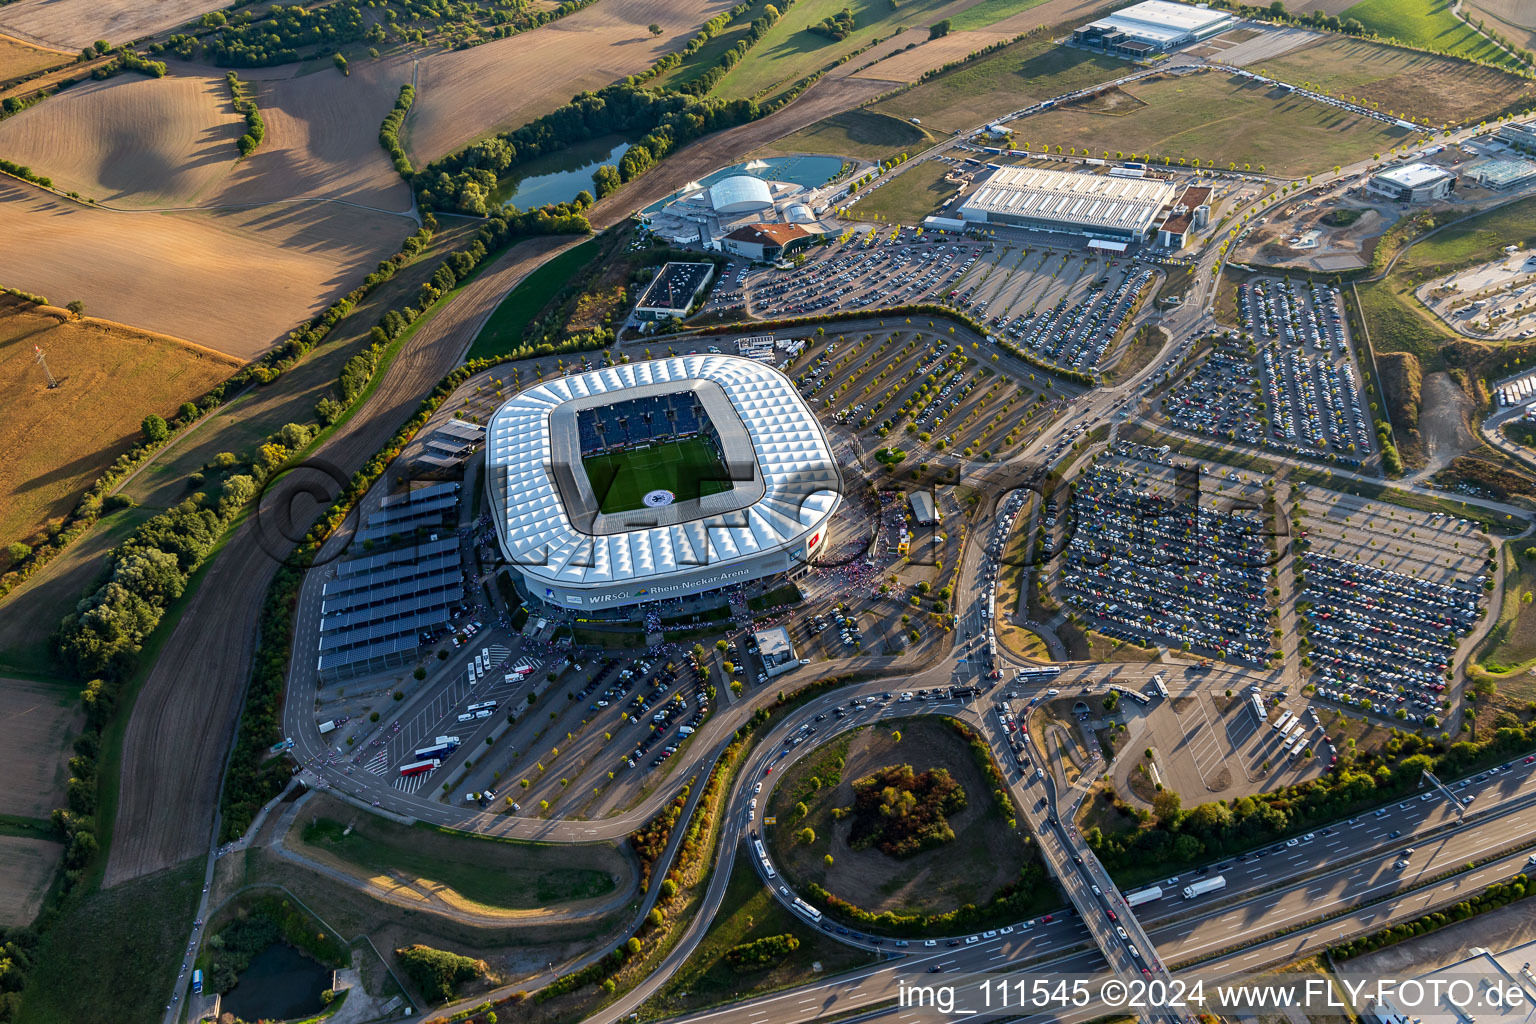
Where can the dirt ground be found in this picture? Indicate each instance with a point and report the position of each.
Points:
(72, 24)
(38, 722)
(1443, 421)
(110, 377)
(173, 751)
(191, 275)
(26, 868)
(907, 65)
(469, 94)
(982, 857)
(18, 58)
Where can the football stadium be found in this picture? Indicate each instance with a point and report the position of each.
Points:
(659, 479)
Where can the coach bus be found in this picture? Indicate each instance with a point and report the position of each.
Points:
(1046, 672)
(484, 705)
(806, 909)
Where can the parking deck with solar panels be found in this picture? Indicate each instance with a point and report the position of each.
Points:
(452, 443)
(372, 614)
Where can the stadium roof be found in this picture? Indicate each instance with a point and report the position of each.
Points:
(799, 477)
(1072, 199)
(739, 194)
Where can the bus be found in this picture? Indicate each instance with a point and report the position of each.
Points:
(197, 982)
(1284, 722)
(806, 909)
(420, 767)
(1157, 684)
(1258, 707)
(485, 705)
(1043, 672)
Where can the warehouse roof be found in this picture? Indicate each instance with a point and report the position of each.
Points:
(1068, 197)
(1162, 21)
(796, 485)
(1414, 175)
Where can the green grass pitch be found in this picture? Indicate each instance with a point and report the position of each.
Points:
(688, 468)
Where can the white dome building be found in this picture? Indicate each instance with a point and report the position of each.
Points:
(741, 193)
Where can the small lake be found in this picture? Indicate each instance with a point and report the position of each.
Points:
(808, 171)
(281, 983)
(557, 177)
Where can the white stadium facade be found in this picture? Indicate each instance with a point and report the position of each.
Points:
(772, 516)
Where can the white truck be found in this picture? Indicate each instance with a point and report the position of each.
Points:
(1204, 886)
(326, 727)
(1140, 896)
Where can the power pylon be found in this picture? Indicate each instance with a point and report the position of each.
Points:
(42, 361)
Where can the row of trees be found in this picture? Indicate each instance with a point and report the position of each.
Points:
(836, 27)
(1500, 894)
(706, 82)
(759, 953)
(389, 131)
(1223, 827)
(255, 128)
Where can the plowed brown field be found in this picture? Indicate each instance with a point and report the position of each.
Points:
(469, 94)
(130, 141)
(233, 280)
(38, 722)
(60, 439)
(73, 24)
(26, 867)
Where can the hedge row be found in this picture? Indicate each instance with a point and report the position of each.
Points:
(389, 131)
(1500, 894)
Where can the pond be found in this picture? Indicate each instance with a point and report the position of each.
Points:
(557, 177)
(281, 983)
(809, 171)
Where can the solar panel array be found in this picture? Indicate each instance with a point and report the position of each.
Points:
(375, 608)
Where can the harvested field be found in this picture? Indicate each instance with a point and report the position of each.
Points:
(1210, 117)
(131, 141)
(907, 65)
(189, 274)
(1514, 19)
(469, 94)
(1427, 23)
(73, 24)
(110, 377)
(26, 870)
(173, 750)
(38, 722)
(990, 12)
(1014, 77)
(18, 58)
(1432, 88)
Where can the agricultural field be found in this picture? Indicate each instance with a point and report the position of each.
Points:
(26, 870)
(17, 58)
(1513, 19)
(111, 377)
(38, 722)
(789, 51)
(989, 12)
(1424, 86)
(1427, 23)
(73, 24)
(1211, 117)
(1014, 77)
(857, 133)
(466, 95)
(908, 65)
(192, 272)
(131, 141)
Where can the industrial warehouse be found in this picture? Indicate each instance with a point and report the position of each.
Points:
(1099, 206)
(1155, 26)
(658, 479)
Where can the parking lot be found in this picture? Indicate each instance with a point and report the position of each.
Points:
(1153, 559)
(916, 390)
(1284, 382)
(1385, 595)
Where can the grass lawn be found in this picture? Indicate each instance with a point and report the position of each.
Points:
(708, 55)
(989, 11)
(491, 872)
(1211, 117)
(1511, 644)
(1427, 23)
(110, 955)
(748, 912)
(788, 52)
(689, 468)
(1014, 77)
(908, 197)
(1398, 323)
(1478, 238)
(855, 133)
(503, 332)
(1425, 86)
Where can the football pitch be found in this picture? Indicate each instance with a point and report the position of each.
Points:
(688, 468)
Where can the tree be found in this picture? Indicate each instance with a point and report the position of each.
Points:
(1166, 805)
(653, 28)
(76, 309)
(807, 835)
(17, 552)
(938, 29)
(341, 64)
(155, 429)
